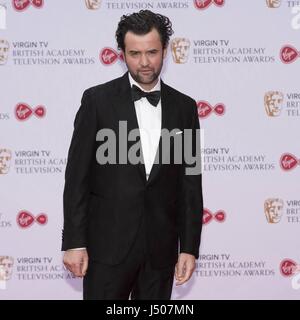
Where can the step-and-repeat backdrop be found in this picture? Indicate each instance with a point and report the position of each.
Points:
(239, 59)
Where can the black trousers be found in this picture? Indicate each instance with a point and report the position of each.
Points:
(134, 277)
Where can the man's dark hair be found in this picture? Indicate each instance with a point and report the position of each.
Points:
(143, 22)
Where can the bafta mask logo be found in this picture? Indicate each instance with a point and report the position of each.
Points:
(273, 103)
(93, 4)
(273, 210)
(4, 49)
(203, 4)
(6, 267)
(5, 158)
(180, 49)
(273, 3)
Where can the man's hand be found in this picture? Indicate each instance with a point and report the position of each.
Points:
(184, 268)
(76, 261)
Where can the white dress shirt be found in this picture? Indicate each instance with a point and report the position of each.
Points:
(149, 121)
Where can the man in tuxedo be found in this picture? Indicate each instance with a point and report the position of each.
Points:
(128, 227)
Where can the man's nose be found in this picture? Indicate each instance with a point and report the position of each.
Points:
(144, 60)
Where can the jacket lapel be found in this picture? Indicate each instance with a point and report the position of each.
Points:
(125, 111)
(166, 123)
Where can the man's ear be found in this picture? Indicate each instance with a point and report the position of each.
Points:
(165, 50)
(123, 54)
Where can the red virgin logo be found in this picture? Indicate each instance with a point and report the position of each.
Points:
(21, 5)
(23, 111)
(289, 54)
(109, 56)
(288, 161)
(203, 4)
(25, 219)
(208, 216)
(288, 267)
(205, 109)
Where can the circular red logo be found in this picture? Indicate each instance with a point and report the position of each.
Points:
(25, 219)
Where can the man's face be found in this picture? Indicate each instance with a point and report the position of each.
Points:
(273, 103)
(5, 157)
(4, 48)
(6, 266)
(93, 4)
(274, 210)
(180, 49)
(144, 57)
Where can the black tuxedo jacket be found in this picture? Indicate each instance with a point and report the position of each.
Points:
(104, 204)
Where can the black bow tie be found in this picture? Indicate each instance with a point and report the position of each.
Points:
(153, 96)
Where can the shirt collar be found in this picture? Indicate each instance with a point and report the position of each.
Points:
(132, 81)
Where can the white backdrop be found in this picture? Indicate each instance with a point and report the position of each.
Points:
(239, 55)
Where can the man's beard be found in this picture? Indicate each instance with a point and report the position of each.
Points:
(139, 78)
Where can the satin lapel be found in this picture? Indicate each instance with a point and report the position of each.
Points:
(166, 123)
(125, 111)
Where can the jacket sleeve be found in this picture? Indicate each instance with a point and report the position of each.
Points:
(190, 199)
(77, 176)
